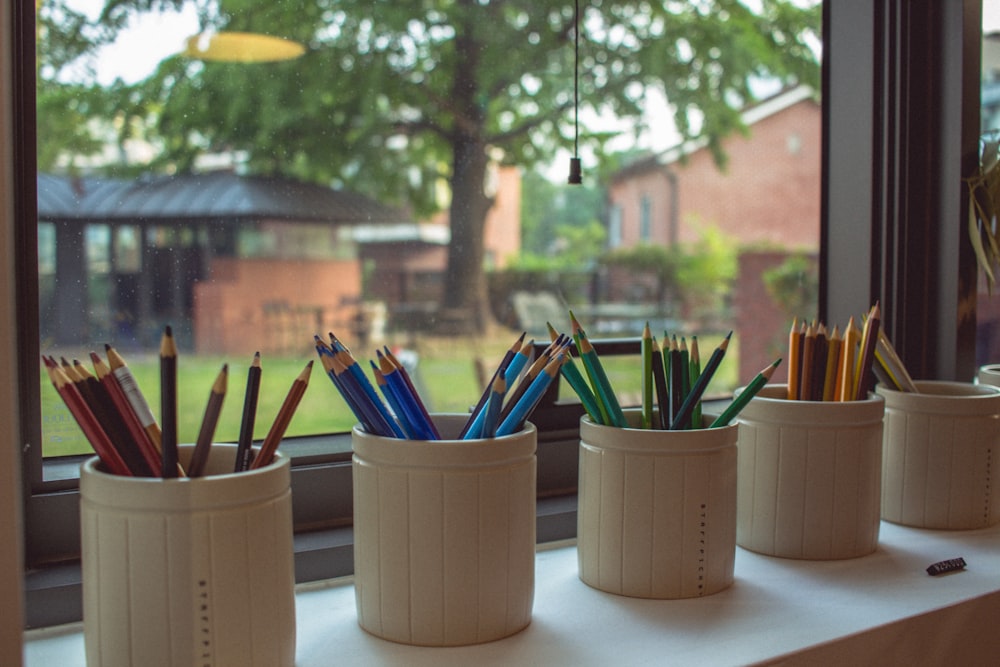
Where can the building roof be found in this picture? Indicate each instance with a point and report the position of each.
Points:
(750, 115)
(209, 196)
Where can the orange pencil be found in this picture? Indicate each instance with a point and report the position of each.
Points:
(834, 345)
(848, 361)
(795, 337)
(808, 363)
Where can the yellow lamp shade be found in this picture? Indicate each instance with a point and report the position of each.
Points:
(241, 47)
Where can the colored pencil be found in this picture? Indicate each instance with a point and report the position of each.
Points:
(168, 403)
(869, 340)
(807, 364)
(660, 382)
(213, 408)
(139, 434)
(493, 405)
(683, 417)
(126, 380)
(886, 356)
(846, 375)
(85, 419)
(579, 385)
(599, 380)
(739, 402)
(526, 404)
(795, 339)
(380, 414)
(694, 370)
(833, 351)
(406, 400)
(277, 431)
(412, 390)
(497, 372)
(244, 446)
(647, 384)
(113, 423)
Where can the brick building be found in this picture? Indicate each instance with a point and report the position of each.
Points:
(766, 199)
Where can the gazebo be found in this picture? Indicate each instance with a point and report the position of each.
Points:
(211, 254)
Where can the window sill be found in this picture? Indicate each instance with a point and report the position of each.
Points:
(54, 597)
(880, 609)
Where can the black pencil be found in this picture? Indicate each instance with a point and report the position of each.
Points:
(244, 447)
(168, 403)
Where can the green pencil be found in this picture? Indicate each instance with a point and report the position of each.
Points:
(748, 393)
(646, 349)
(602, 385)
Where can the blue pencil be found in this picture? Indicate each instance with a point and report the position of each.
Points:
(526, 404)
(493, 404)
(406, 400)
(384, 419)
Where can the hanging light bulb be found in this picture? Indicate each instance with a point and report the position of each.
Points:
(241, 47)
(575, 168)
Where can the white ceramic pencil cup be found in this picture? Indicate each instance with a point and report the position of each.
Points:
(189, 571)
(942, 448)
(989, 374)
(444, 535)
(809, 476)
(657, 509)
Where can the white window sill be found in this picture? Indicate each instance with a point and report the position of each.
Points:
(880, 609)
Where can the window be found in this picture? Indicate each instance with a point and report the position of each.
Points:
(118, 250)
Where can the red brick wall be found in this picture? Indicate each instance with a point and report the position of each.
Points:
(768, 193)
(274, 306)
(762, 326)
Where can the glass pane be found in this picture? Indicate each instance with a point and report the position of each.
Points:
(396, 174)
(988, 303)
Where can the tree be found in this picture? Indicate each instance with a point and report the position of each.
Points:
(405, 94)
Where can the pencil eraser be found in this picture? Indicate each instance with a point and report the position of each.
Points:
(945, 566)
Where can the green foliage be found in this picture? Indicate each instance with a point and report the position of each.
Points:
(706, 272)
(391, 98)
(794, 285)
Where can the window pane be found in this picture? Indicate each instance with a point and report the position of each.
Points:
(988, 306)
(400, 181)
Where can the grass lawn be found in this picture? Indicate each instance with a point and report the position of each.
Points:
(445, 374)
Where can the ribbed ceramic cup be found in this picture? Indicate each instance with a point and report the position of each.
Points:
(188, 571)
(657, 509)
(989, 374)
(444, 535)
(942, 451)
(809, 476)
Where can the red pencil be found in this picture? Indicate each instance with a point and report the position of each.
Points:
(285, 414)
(85, 418)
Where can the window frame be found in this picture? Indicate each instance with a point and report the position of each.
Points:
(892, 234)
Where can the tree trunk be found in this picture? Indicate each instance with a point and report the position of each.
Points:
(465, 305)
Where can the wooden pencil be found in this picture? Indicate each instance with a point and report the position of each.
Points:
(139, 433)
(244, 445)
(682, 420)
(104, 409)
(866, 359)
(846, 375)
(168, 403)
(795, 337)
(213, 408)
(85, 418)
(647, 385)
(833, 351)
(284, 417)
(126, 380)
